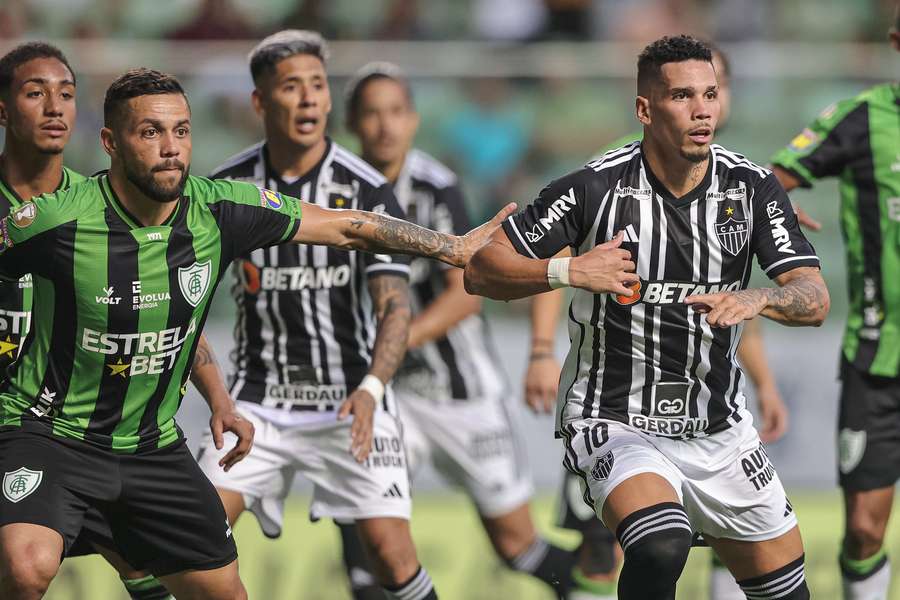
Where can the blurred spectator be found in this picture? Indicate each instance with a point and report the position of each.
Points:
(567, 20)
(216, 20)
(310, 14)
(403, 21)
(508, 20)
(642, 21)
(14, 19)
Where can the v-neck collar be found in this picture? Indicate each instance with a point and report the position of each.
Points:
(698, 191)
(271, 175)
(130, 220)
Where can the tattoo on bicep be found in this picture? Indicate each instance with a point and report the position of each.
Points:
(401, 236)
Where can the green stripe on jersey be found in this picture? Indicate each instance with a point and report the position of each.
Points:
(119, 307)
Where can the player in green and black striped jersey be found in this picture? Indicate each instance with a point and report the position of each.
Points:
(858, 142)
(124, 268)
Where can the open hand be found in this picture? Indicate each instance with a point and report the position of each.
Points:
(727, 309)
(361, 405)
(472, 242)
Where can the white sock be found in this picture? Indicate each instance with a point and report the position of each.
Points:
(722, 585)
(586, 595)
(875, 585)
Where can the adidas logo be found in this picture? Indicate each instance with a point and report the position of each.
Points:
(631, 235)
(393, 492)
(227, 529)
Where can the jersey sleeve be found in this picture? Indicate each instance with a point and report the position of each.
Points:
(383, 201)
(250, 217)
(834, 140)
(552, 222)
(28, 234)
(777, 240)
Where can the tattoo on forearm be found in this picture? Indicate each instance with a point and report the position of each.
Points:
(401, 236)
(799, 299)
(204, 355)
(390, 296)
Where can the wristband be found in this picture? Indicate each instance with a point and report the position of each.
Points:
(373, 385)
(558, 272)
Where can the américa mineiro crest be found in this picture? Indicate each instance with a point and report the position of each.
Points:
(194, 281)
(19, 484)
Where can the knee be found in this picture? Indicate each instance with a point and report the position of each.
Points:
(30, 569)
(864, 530)
(394, 558)
(657, 538)
(510, 544)
(661, 553)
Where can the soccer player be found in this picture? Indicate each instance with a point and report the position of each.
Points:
(308, 350)
(598, 557)
(87, 415)
(450, 388)
(650, 403)
(858, 141)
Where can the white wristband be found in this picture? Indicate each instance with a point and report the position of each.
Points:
(558, 272)
(373, 385)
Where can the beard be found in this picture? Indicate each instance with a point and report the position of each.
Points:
(148, 185)
(697, 155)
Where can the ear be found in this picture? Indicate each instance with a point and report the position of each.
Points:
(642, 109)
(256, 101)
(4, 116)
(108, 141)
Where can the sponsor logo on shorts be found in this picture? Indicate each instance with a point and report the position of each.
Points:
(758, 468)
(851, 447)
(270, 199)
(227, 529)
(21, 483)
(387, 452)
(393, 491)
(24, 216)
(603, 466)
(485, 445)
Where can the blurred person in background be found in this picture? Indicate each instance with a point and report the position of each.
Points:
(319, 334)
(650, 405)
(598, 555)
(858, 141)
(215, 20)
(451, 388)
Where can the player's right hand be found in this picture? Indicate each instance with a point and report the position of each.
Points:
(606, 268)
(541, 381)
(361, 405)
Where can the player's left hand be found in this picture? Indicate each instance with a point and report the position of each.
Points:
(361, 405)
(727, 309)
(472, 242)
(541, 381)
(229, 420)
(773, 413)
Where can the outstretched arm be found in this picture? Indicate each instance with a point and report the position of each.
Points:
(772, 410)
(448, 309)
(374, 232)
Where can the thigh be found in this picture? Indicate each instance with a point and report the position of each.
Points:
(347, 489)
(869, 430)
(169, 517)
(222, 583)
(475, 445)
(747, 559)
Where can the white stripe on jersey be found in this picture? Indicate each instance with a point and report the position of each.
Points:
(639, 312)
(519, 235)
(425, 167)
(734, 160)
(366, 171)
(787, 260)
(597, 163)
(611, 159)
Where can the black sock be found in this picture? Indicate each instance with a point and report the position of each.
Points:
(551, 564)
(419, 587)
(362, 582)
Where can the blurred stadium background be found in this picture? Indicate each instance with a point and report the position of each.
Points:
(512, 93)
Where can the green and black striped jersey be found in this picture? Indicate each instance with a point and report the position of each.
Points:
(118, 308)
(15, 296)
(858, 141)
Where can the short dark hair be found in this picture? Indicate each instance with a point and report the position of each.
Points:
(285, 44)
(134, 83)
(668, 49)
(23, 53)
(372, 72)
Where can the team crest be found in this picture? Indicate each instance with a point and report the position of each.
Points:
(851, 447)
(270, 199)
(602, 467)
(19, 484)
(24, 215)
(194, 281)
(732, 234)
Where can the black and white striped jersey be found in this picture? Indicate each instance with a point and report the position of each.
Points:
(648, 359)
(305, 326)
(461, 365)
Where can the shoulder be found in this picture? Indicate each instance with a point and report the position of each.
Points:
(426, 169)
(617, 157)
(726, 160)
(48, 211)
(242, 165)
(352, 166)
(72, 176)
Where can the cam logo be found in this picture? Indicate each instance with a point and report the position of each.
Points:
(732, 234)
(194, 281)
(25, 215)
(270, 199)
(603, 466)
(21, 483)
(851, 447)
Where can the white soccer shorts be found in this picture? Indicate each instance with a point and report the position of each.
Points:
(473, 443)
(342, 488)
(725, 481)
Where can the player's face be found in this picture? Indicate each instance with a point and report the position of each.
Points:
(153, 144)
(39, 110)
(684, 108)
(386, 123)
(294, 101)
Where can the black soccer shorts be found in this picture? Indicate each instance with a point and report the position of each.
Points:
(164, 515)
(868, 430)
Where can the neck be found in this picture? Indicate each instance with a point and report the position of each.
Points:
(289, 160)
(29, 172)
(390, 170)
(677, 173)
(147, 211)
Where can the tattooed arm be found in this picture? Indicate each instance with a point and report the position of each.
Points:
(390, 296)
(800, 300)
(207, 378)
(373, 232)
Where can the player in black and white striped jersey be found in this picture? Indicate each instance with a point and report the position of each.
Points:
(650, 401)
(319, 333)
(451, 389)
